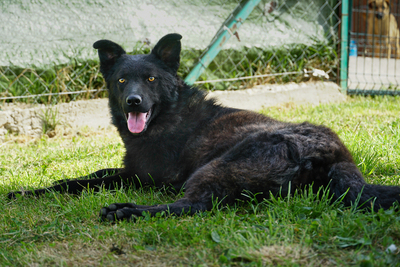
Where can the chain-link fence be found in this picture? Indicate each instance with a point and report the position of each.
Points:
(47, 53)
(374, 62)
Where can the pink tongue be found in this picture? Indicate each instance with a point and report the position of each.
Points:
(136, 122)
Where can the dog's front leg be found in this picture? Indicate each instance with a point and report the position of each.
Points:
(98, 174)
(78, 185)
(201, 189)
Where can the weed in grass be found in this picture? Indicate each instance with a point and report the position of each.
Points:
(50, 120)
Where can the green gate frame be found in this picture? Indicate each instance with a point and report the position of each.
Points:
(228, 28)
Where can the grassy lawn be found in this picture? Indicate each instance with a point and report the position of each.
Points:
(64, 230)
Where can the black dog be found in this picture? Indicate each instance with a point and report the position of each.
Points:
(173, 136)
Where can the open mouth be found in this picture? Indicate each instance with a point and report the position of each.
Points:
(137, 121)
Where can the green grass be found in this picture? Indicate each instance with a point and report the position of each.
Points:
(302, 230)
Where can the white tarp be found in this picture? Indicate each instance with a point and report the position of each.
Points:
(41, 32)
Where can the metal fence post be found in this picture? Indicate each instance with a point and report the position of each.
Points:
(344, 57)
(229, 28)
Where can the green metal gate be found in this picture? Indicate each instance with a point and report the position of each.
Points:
(370, 58)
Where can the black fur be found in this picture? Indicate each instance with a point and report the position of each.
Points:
(177, 137)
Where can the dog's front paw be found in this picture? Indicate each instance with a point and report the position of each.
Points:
(119, 211)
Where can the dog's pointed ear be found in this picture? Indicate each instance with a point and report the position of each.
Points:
(168, 49)
(109, 52)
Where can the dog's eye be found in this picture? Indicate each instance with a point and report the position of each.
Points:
(122, 80)
(151, 79)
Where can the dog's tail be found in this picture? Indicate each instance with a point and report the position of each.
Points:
(348, 183)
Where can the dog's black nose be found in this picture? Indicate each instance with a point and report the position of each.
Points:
(379, 15)
(134, 100)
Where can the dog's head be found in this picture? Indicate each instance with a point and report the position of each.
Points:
(139, 85)
(379, 8)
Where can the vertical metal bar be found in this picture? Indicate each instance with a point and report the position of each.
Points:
(344, 58)
(242, 11)
(350, 38)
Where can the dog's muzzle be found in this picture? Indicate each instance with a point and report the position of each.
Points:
(379, 15)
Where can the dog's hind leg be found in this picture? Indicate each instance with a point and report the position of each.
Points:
(76, 186)
(346, 179)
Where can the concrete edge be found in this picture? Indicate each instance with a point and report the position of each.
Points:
(95, 113)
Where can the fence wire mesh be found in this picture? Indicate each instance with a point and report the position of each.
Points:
(374, 62)
(47, 54)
